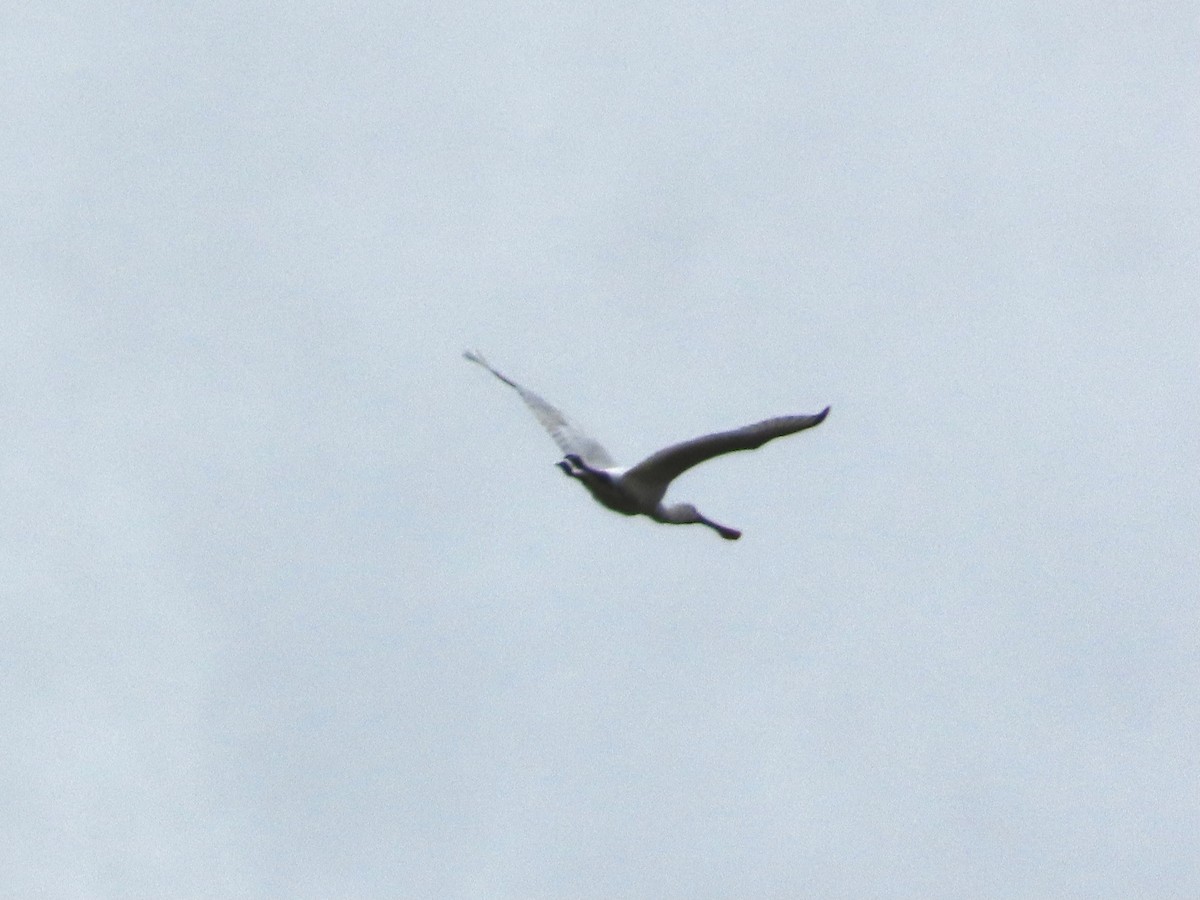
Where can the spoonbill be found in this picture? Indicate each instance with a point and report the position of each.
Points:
(639, 490)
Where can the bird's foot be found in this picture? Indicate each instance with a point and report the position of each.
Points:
(574, 465)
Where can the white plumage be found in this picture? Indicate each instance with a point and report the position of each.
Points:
(639, 490)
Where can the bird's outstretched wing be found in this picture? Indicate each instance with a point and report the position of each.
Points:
(569, 438)
(660, 468)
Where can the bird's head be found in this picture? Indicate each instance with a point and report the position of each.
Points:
(683, 514)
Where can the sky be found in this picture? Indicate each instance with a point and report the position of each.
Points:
(295, 603)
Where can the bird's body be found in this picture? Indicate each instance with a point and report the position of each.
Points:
(639, 490)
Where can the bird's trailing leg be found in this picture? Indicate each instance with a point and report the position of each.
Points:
(577, 461)
(573, 465)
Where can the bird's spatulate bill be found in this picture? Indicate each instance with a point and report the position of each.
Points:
(730, 534)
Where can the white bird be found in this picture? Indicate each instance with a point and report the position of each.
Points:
(639, 490)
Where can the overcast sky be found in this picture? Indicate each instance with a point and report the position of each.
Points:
(295, 603)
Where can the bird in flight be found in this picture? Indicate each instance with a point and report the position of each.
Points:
(639, 490)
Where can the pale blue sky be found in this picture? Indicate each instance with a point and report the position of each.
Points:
(295, 603)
